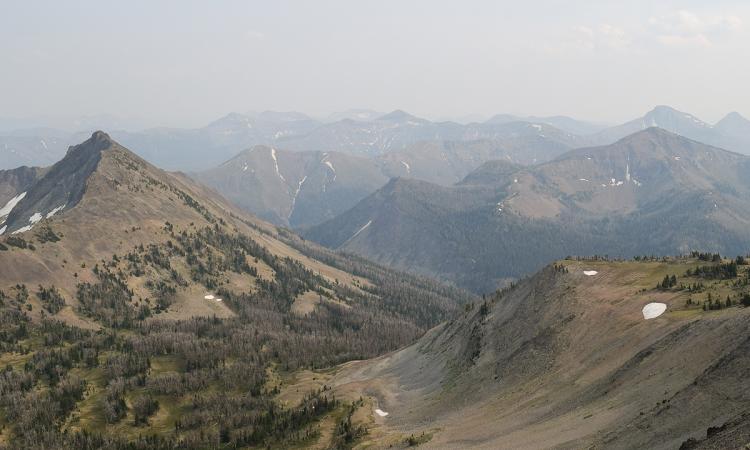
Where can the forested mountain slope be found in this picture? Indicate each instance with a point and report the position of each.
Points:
(140, 310)
(652, 192)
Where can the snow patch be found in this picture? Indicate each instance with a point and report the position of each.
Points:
(276, 164)
(590, 273)
(380, 412)
(2, 230)
(330, 166)
(653, 310)
(208, 297)
(23, 229)
(5, 210)
(55, 211)
(364, 227)
(583, 179)
(296, 194)
(361, 229)
(35, 218)
(408, 167)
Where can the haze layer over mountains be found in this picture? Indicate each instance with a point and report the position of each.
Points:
(140, 308)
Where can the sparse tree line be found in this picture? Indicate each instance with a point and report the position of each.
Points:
(220, 376)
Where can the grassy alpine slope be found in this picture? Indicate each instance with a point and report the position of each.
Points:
(567, 360)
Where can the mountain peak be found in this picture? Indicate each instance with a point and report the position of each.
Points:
(734, 125)
(734, 115)
(101, 136)
(397, 115)
(662, 109)
(63, 186)
(733, 118)
(653, 134)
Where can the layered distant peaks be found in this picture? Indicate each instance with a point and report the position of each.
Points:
(360, 115)
(283, 116)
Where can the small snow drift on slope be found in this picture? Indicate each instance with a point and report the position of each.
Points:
(55, 211)
(357, 233)
(590, 273)
(653, 310)
(380, 412)
(276, 165)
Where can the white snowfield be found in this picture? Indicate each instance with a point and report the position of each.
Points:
(590, 273)
(380, 412)
(653, 310)
(35, 218)
(5, 210)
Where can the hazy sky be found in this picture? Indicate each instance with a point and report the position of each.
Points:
(186, 63)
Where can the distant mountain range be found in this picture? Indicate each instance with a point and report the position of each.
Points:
(731, 133)
(398, 130)
(301, 189)
(357, 132)
(294, 188)
(651, 192)
(564, 123)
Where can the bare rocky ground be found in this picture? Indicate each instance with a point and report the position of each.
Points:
(564, 360)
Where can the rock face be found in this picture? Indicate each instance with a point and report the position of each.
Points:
(62, 186)
(16, 181)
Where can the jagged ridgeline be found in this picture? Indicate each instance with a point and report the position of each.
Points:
(140, 310)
